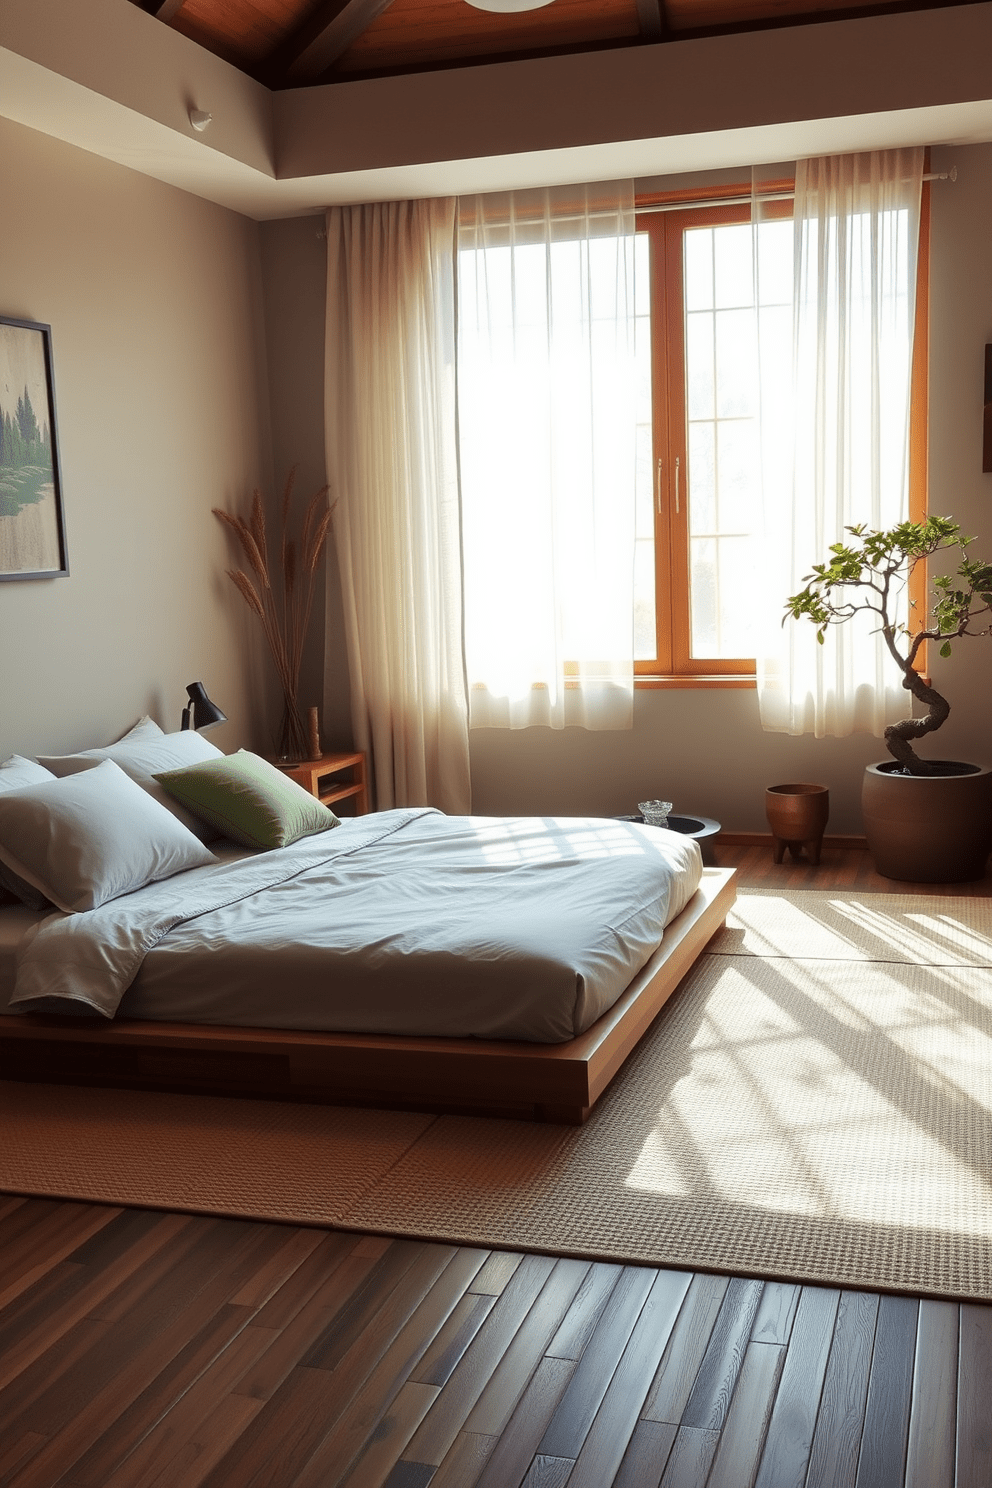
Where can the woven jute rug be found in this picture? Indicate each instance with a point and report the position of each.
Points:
(815, 1104)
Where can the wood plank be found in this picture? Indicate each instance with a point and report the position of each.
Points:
(580, 1321)
(610, 1431)
(310, 1277)
(358, 1313)
(447, 1416)
(509, 1379)
(372, 1373)
(647, 1453)
(974, 1421)
(174, 1292)
(8, 1204)
(680, 1363)
(109, 1377)
(19, 1451)
(890, 1389)
(282, 1434)
(297, 1247)
(930, 1453)
(44, 1316)
(129, 1458)
(135, 1441)
(570, 1423)
(462, 1464)
(197, 1457)
(776, 1314)
(516, 1446)
(709, 1400)
(50, 1363)
(496, 1273)
(438, 1363)
(840, 1424)
(414, 1475)
(24, 1216)
(790, 1431)
(136, 1284)
(52, 1240)
(742, 1439)
(391, 1435)
(691, 1458)
(327, 1291)
(548, 1472)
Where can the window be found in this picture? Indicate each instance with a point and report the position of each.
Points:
(713, 348)
(700, 346)
(712, 333)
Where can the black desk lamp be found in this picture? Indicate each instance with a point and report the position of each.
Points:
(201, 712)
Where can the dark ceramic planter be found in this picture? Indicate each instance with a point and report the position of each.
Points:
(797, 815)
(928, 828)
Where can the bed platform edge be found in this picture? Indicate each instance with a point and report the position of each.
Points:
(543, 1082)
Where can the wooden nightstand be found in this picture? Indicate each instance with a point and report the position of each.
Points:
(334, 777)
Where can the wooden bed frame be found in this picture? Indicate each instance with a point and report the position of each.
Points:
(543, 1082)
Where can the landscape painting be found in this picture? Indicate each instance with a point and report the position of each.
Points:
(32, 531)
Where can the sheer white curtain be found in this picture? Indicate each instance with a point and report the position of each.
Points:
(856, 233)
(392, 464)
(547, 448)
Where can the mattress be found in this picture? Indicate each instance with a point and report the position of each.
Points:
(406, 922)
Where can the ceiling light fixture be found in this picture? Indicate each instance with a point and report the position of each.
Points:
(199, 119)
(506, 7)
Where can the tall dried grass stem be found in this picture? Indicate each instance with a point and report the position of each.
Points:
(285, 617)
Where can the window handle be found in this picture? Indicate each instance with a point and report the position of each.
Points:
(677, 464)
(657, 486)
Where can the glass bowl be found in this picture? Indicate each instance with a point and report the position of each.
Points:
(655, 813)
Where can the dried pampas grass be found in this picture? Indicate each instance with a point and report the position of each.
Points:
(285, 615)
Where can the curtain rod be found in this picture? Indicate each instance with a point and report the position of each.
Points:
(688, 203)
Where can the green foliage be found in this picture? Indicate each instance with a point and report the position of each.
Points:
(25, 458)
(870, 573)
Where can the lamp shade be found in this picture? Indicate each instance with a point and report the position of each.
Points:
(201, 712)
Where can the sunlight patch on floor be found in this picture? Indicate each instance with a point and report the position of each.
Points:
(875, 1108)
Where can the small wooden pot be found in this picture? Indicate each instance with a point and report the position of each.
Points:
(797, 815)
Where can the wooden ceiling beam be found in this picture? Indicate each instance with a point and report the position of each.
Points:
(315, 46)
(651, 19)
(167, 9)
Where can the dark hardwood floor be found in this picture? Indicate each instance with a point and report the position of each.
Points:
(149, 1350)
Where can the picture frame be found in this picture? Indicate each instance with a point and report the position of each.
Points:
(32, 515)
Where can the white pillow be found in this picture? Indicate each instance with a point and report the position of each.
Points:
(143, 753)
(92, 837)
(18, 771)
(14, 773)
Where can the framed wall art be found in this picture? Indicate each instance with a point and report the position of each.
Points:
(32, 520)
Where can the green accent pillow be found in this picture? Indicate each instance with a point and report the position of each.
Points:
(249, 800)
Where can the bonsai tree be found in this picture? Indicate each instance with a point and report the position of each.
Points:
(871, 573)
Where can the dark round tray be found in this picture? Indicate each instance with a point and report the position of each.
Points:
(703, 828)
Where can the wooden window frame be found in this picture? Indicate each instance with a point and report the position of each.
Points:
(674, 666)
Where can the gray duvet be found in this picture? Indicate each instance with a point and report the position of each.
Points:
(405, 922)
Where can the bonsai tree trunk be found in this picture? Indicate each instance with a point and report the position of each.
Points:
(898, 735)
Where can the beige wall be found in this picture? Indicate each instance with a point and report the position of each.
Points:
(154, 301)
(706, 750)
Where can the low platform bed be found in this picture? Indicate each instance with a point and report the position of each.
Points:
(531, 1081)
